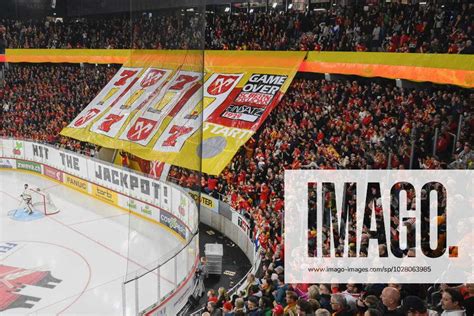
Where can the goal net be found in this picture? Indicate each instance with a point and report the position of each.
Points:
(41, 201)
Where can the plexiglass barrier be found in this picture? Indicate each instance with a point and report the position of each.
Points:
(164, 289)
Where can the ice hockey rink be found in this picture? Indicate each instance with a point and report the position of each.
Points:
(75, 262)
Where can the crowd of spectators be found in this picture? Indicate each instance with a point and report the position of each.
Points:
(343, 124)
(392, 27)
(389, 28)
(270, 296)
(158, 32)
(38, 100)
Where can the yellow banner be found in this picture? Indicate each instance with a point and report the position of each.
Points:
(165, 107)
(205, 200)
(439, 68)
(91, 56)
(76, 183)
(105, 194)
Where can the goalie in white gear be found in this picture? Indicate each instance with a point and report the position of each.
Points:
(26, 197)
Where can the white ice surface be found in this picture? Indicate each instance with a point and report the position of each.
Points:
(89, 245)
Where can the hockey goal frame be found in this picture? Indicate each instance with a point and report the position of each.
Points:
(40, 202)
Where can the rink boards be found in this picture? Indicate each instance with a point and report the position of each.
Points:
(155, 200)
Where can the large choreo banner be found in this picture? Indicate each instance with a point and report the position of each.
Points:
(168, 108)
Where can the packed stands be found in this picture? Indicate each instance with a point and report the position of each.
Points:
(38, 100)
(175, 32)
(429, 28)
(390, 28)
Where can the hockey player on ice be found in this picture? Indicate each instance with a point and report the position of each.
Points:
(26, 197)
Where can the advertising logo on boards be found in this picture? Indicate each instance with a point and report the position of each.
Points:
(28, 165)
(204, 200)
(53, 173)
(183, 204)
(5, 163)
(146, 210)
(76, 183)
(132, 205)
(243, 224)
(105, 194)
(18, 149)
(173, 223)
